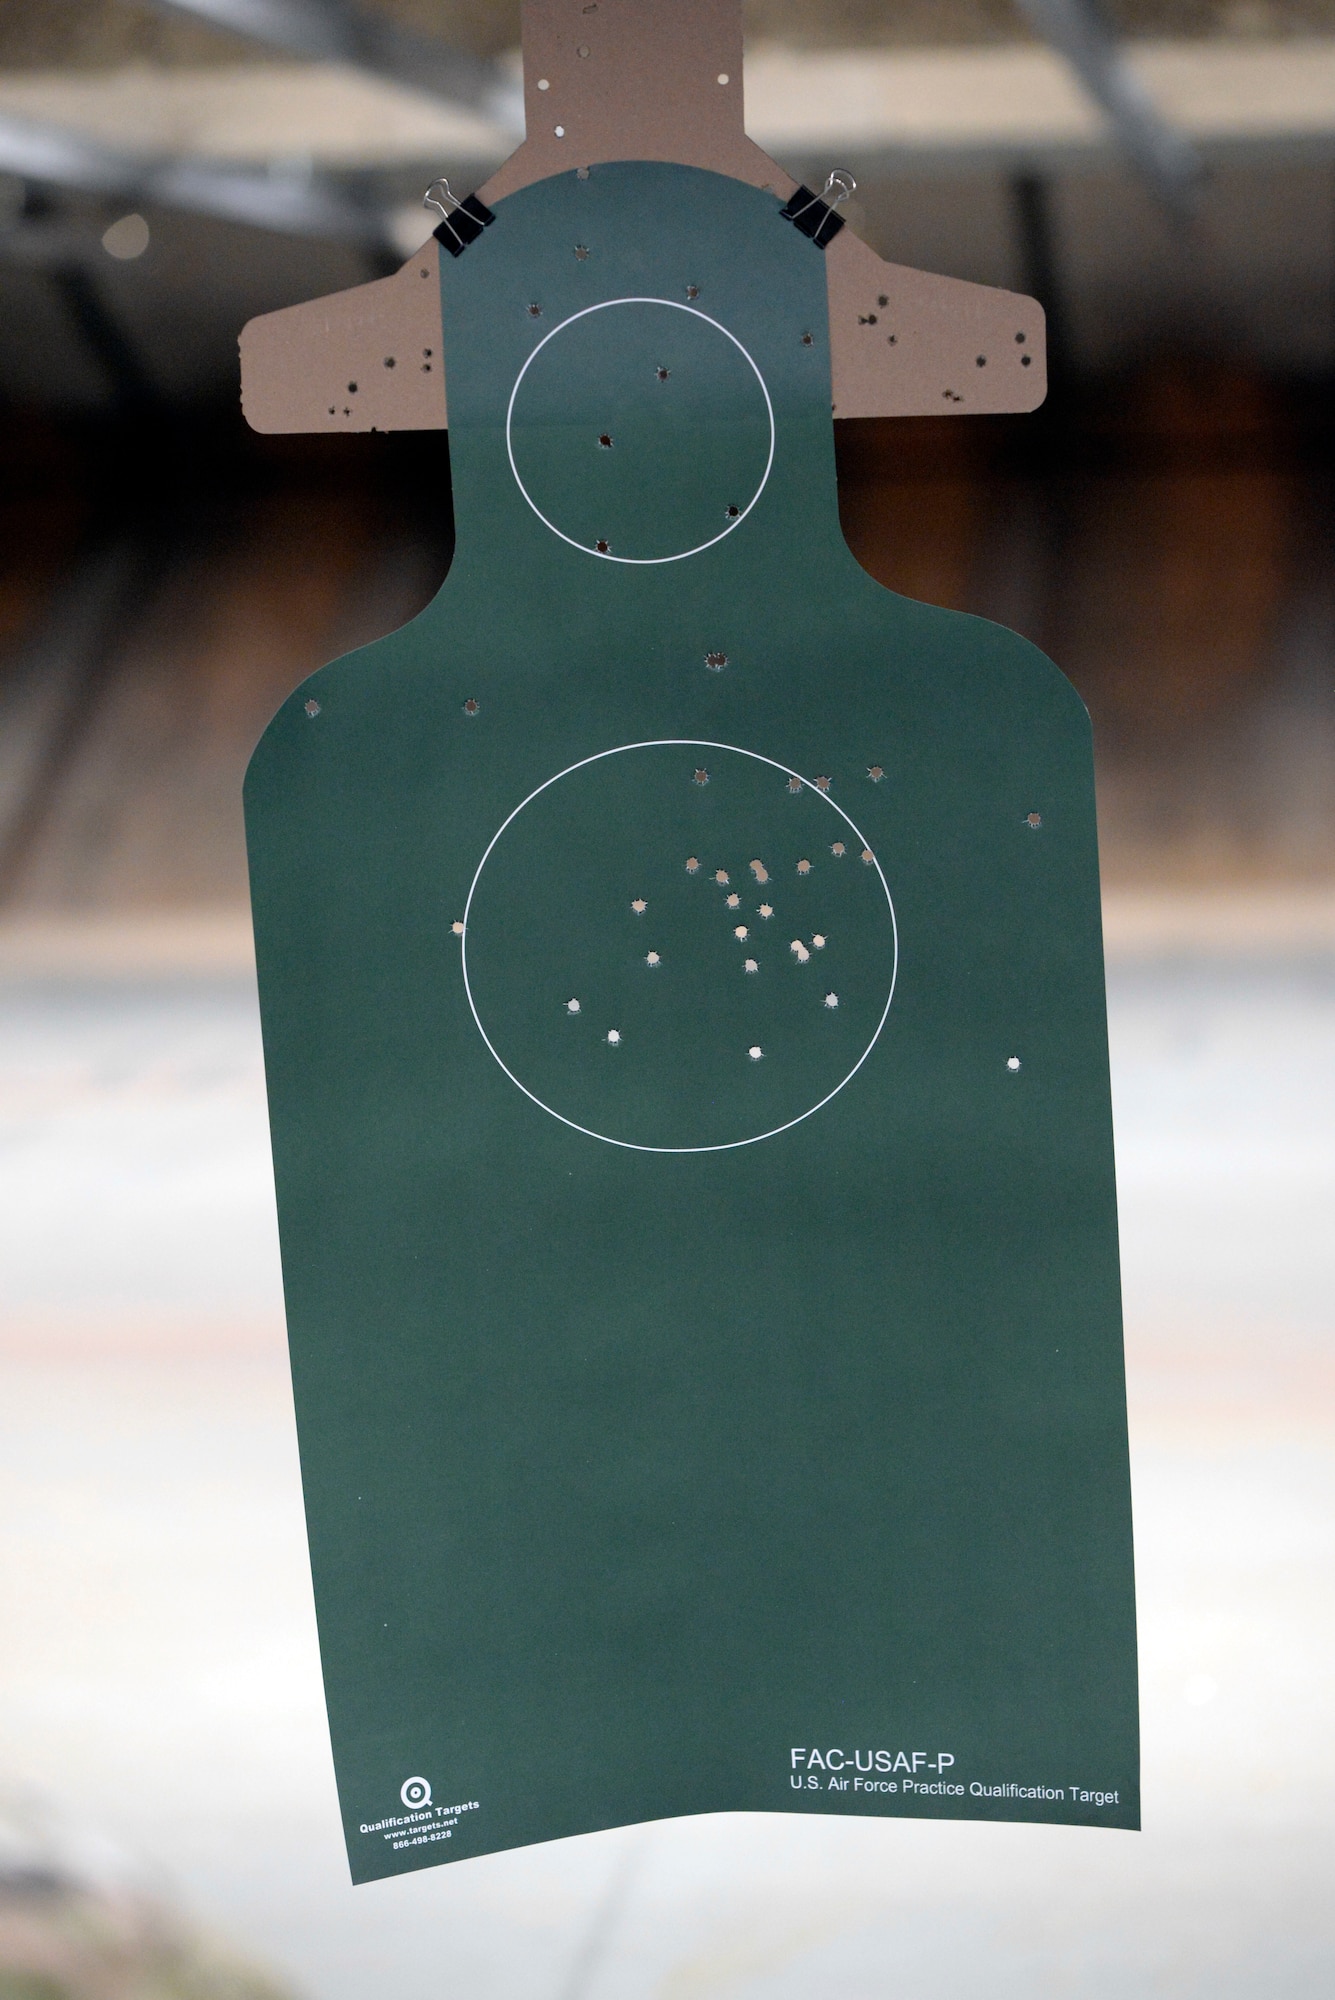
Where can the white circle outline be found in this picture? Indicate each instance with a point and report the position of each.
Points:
(679, 743)
(639, 561)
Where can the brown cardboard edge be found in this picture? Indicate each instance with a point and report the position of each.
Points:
(612, 83)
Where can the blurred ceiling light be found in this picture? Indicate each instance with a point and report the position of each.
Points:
(126, 239)
(254, 113)
(303, 204)
(334, 31)
(224, 140)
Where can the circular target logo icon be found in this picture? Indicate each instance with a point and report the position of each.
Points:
(415, 1792)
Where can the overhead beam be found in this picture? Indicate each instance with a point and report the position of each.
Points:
(1079, 31)
(330, 31)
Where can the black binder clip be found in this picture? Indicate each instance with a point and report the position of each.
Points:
(460, 224)
(814, 214)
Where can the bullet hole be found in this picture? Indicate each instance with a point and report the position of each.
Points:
(471, 707)
(722, 877)
(603, 547)
(312, 708)
(605, 440)
(823, 784)
(818, 941)
(692, 291)
(981, 362)
(875, 773)
(1012, 1063)
(1020, 339)
(639, 906)
(426, 367)
(750, 966)
(652, 958)
(389, 361)
(428, 352)
(692, 865)
(1034, 819)
(1025, 360)
(832, 999)
(804, 867)
(868, 857)
(716, 662)
(838, 848)
(572, 1006)
(882, 300)
(759, 870)
(794, 784)
(806, 340)
(734, 901)
(866, 319)
(614, 1038)
(892, 339)
(424, 273)
(700, 778)
(799, 951)
(662, 373)
(732, 512)
(741, 933)
(767, 909)
(582, 252)
(755, 1052)
(352, 388)
(535, 310)
(331, 409)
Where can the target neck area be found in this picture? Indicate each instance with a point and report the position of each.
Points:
(639, 369)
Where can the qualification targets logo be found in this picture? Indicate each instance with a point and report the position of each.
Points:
(415, 1793)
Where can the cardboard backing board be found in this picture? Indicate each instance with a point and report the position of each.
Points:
(625, 81)
(682, 993)
(619, 81)
(368, 359)
(906, 343)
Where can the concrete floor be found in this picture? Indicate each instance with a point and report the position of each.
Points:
(158, 1669)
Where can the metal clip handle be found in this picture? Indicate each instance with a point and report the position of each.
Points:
(460, 224)
(432, 198)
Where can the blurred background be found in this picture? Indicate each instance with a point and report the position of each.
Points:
(1161, 174)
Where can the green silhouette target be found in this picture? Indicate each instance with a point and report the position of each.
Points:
(681, 978)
